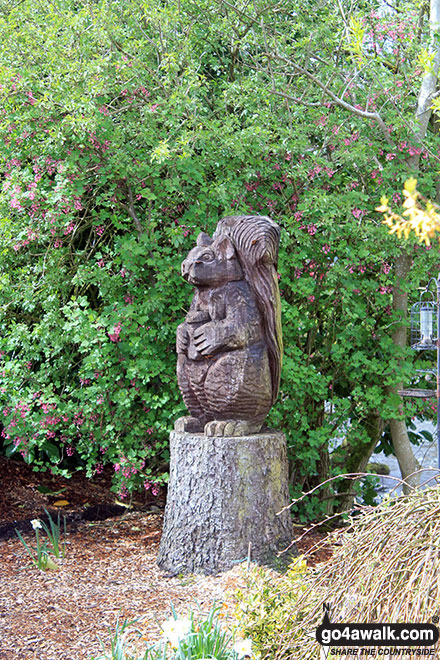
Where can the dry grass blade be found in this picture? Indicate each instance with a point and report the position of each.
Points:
(385, 568)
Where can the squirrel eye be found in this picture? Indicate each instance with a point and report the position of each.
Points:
(207, 256)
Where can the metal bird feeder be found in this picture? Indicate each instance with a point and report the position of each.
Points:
(425, 335)
(424, 322)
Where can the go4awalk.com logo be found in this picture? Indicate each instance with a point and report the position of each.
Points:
(381, 640)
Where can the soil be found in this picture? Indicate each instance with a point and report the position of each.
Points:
(109, 571)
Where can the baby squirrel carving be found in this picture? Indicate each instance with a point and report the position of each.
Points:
(223, 365)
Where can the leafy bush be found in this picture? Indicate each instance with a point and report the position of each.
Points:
(267, 601)
(127, 130)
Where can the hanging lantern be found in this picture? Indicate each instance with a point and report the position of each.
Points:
(424, 323)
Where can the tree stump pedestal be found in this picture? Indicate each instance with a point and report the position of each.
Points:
(225, 493)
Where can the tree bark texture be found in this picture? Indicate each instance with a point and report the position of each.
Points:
(402, 445)
(358, 458)
(224, 494)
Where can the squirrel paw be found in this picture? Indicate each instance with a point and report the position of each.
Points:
(232, 427)
(188, 425)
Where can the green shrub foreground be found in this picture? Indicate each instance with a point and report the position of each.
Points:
(128, 128)
(384, 568)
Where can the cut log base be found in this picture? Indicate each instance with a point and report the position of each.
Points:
(225, 493)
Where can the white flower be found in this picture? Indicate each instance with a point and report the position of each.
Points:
(243, 648)
(175, 630)
(36, 524)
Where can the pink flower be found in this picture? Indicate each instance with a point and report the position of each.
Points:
(15, 204)
(311, 298)
(382, 290)
(114, 336)
(358, 213)
(326, 248)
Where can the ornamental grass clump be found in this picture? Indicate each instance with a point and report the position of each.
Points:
(384, 568)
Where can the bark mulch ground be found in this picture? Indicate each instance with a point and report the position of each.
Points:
(109, 570)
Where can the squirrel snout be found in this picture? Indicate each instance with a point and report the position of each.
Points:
(184, 269)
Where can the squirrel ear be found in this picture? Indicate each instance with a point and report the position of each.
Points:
(203, 240)
(225, 247)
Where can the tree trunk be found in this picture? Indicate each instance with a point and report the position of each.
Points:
(401, 442)
(223, 504)
(358, 459)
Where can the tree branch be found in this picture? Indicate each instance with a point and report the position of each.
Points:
(429, 82)
(365, 114)
(132, 212)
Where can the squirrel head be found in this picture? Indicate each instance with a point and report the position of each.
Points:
(212, 262)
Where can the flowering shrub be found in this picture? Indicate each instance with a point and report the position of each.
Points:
(119, 146)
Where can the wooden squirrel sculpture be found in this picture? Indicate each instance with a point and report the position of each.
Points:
(229, 346)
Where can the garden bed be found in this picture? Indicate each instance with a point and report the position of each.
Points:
(109, 569)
